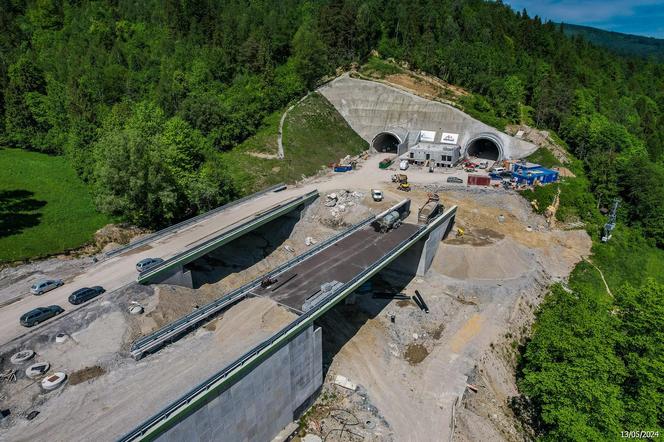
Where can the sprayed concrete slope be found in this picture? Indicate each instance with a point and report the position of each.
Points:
(371, 108)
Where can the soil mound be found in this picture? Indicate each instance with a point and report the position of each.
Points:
(502, 260)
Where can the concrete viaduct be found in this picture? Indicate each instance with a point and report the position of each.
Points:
(286, 368)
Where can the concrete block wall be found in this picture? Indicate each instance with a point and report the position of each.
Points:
(264, 401)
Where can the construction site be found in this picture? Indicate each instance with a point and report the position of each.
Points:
(370, 304)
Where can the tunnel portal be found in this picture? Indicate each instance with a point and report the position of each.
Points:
(386, 142)
(484, 148)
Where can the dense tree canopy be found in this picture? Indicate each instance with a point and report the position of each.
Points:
(221, 66)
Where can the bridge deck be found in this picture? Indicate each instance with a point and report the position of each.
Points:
(340, 262)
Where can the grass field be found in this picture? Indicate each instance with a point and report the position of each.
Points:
(44, 207)
(314, 136)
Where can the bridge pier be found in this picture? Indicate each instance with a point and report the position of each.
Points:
(179, 276)
(417, 260)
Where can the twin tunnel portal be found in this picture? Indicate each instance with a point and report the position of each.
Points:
(486, 147)
(309, 285)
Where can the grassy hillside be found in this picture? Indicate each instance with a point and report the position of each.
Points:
(44, 206)
(625, 44)
(314, 136)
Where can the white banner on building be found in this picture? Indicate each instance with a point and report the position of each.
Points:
(449, 138)
(427, 136)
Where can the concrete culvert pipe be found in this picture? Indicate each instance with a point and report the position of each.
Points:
(53, 381)
(386, 142)
(484, 148)
(36, 370)
(22, 356)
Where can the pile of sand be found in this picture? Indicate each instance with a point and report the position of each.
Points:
(502, 260)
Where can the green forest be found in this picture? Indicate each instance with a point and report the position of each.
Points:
(100, 81)
(147, 100)
(626, 44)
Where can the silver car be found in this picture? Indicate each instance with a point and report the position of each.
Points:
(147, 263)
(44, 285)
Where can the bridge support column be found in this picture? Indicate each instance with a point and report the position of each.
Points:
(417, 260)
(430, 246)
(179, 277)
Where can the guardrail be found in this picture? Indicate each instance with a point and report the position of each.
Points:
(193, 220)
(154, 426)
(206, 247)
(149, 343)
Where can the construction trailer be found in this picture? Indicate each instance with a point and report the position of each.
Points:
(529, 173)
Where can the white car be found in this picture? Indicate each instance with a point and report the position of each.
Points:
(403, 165)
(44, 285)
(377, 195)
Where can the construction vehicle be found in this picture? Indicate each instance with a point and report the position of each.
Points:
(387, 162)
(405, 187)
(460, 232)
(430, 209)
(399, 178)
(390, 221)
(608, 227)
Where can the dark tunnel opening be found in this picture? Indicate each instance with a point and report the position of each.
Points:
(484, 148)
(386, 142)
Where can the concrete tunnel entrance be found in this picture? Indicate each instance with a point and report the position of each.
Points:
(484, 148)
(385, 142)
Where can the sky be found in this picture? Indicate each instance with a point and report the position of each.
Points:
(639, 17)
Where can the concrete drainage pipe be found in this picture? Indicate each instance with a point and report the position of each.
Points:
(53, 381)
(22, 356)
(36, 370)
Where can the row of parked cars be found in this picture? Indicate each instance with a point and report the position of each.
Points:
(41, 314)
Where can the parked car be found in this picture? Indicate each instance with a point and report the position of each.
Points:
(403, 165)
(498, 169)
(44, 285)
(85, 294)
(147, 263)
(40, 314)
(453, 179)
(484, 165)
(377, 195)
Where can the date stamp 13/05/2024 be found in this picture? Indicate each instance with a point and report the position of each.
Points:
(639, 434)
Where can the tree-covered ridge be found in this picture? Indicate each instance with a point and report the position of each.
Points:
(222, 66)
(595, 364)
(625, 44)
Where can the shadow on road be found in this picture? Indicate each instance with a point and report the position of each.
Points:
(18, 211)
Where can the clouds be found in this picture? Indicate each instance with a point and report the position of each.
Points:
(644, 17)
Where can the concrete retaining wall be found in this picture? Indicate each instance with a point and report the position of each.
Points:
(260, 405)
(370, 108)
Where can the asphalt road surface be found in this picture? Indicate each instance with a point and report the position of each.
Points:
(120, 270)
